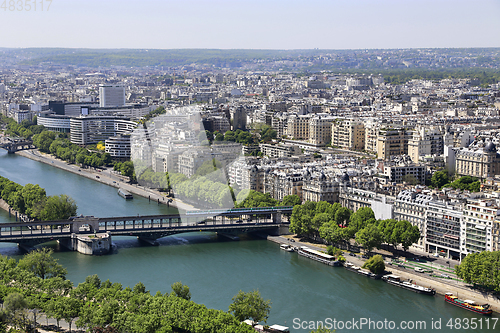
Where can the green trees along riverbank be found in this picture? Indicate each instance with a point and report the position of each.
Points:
(338, 225)
(34, 202)
(481, 269)
(62, 148)
(36, 284)
(25, 129)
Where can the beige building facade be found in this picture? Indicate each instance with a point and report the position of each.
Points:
(348, 134)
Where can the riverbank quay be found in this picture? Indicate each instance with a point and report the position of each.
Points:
(441, 285)
(105, 177)
(20, 217)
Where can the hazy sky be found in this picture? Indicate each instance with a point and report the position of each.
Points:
(253, 24)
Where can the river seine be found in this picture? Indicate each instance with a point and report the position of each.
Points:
(302, 291)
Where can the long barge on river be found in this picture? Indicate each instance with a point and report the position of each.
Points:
(483, 309)
(318, 256)
(396, 281)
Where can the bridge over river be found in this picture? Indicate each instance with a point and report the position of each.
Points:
(91, 235)
(15, 144)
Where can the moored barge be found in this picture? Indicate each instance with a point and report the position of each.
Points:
(483, 309)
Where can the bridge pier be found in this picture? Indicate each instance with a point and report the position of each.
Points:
(26, 247)
(280, 230)
(92, 244)
(276, 217)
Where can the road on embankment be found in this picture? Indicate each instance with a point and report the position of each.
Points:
(106, 176)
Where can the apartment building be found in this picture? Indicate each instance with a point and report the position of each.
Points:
(20, 115)
(318, 187)
(320, 130)
(246, 175)
(496, 235)
(401, 169)
(442, 227)
(425, 141)
(281, 183)
(480, 162)
(391, 142)
(279, 150)
(356, 198)
(190, 160)
(298, 127)
(118, 146)
(279, 125)
(478, 221)
(92, 129)
(348, 134)
(412, 207)
(240, 118)
(371, 136)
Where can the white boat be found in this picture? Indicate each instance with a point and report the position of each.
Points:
(124, 194)
(396, 280)
(319, 256)
(359, 270)
(286, 247)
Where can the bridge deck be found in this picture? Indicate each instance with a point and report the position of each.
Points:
(151, 225)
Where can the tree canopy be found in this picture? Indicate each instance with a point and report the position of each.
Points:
(336, 224)
(250, 305)
(375, 264)
(481, 269)
(56, 207)
(440, 178)
(32, 201)
(466, 183)
(251, 198)
(42, 264)
(291, 200)
(370, 237)
(102, 307)
(62, 148)
(180, 290)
